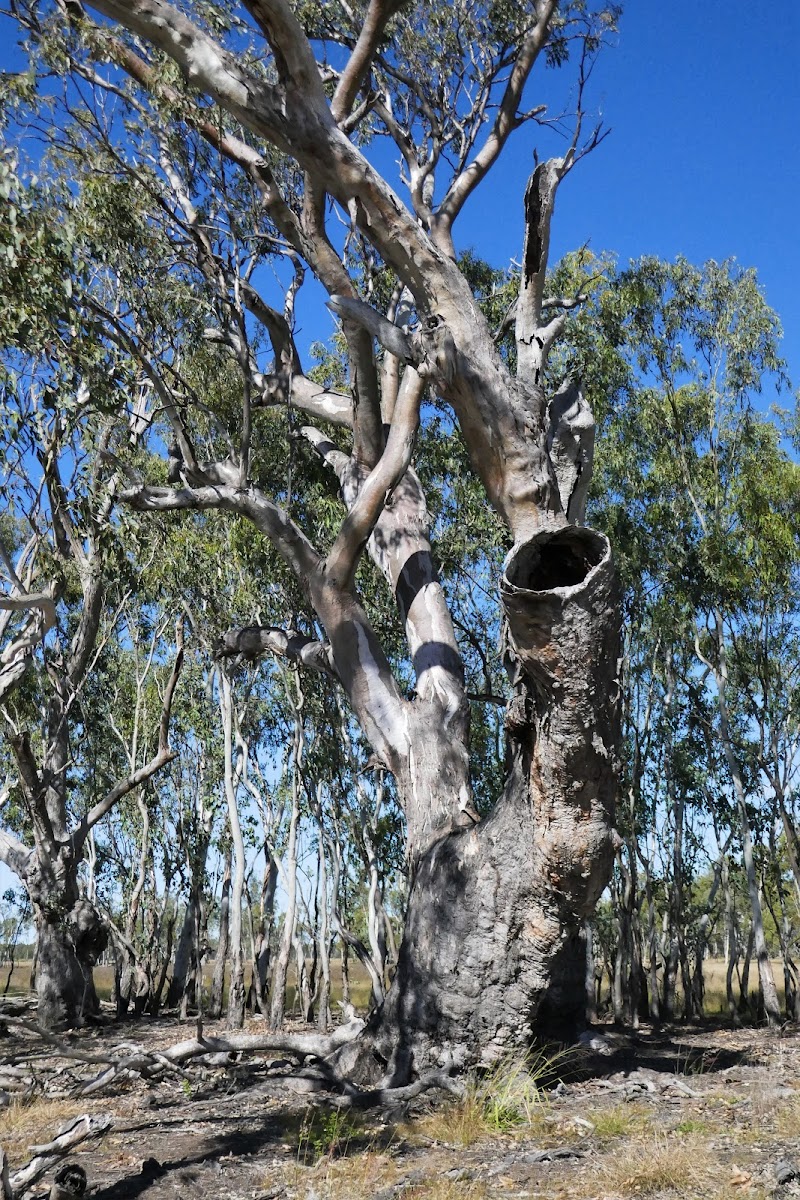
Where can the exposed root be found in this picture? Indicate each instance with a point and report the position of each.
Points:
(128, 1061)
(385, 1097)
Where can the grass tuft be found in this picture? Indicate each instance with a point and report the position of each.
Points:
(659, 1164)
(621, 1120)
(509, 1099)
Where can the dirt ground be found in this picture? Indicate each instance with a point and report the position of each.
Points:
(689, 1112)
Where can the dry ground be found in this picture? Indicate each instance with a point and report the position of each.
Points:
(707, 1112)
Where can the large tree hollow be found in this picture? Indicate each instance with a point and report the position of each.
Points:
(562, 558)
(557, 590)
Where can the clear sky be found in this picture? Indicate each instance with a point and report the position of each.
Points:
(703, 101)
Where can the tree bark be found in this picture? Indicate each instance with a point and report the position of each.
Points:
(69, 943)
(281, 967)
(236, 992)
(492, 945)
(216, 997)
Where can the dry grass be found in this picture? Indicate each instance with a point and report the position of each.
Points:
(659, 1165)
(358, 1177)
(362, 1176)
(507, 1100)
(30, 1122)
(360, 986)
(445, 1189)
(620, 1120)
(787, 1118)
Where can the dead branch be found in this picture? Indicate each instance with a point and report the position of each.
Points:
(45, 1156)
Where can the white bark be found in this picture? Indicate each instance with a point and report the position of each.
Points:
(236, 995)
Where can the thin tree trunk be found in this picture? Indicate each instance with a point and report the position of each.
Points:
(236, 992)
(744, 978)
(345, 968)
(184, 955)
(215, 1000)
(765, 977)
(323, 934)
(278, 998)
(731, 940)
(263, 947)
(652, 944)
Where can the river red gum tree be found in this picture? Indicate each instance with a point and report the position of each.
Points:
(495, 904)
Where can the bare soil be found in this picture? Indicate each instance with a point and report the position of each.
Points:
(702, 1111)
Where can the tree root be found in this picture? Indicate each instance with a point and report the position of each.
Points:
(385, 1097)
(129, 1061)
(150, 1064)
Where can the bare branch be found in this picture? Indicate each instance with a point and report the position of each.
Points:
(276, 326)
(256, 640)
(378, 14)
(290, 542)
(15, 656)
(336, 459)
(390, 336)
(163, 756)
(296, 66)
(308, 396)
(14, 854)
(341, 562)
(41, 600)
(540, 198)
(504, 124)
(294, 118)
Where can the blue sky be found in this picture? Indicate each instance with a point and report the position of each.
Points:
(703, 159)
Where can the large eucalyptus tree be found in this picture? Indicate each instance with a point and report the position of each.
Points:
(262, 130)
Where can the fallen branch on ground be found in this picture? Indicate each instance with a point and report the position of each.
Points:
(46, 1156)
(152, 1063)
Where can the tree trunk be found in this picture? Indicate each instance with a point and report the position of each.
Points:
(257, 996)
(744, 979)
(765, 977)
(281, 967)
(323, 934)
(731, 939)
(654, 1007)
(492, 951)
(236, 991)
(68, 945)
(215, 1000)
(185, 955)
